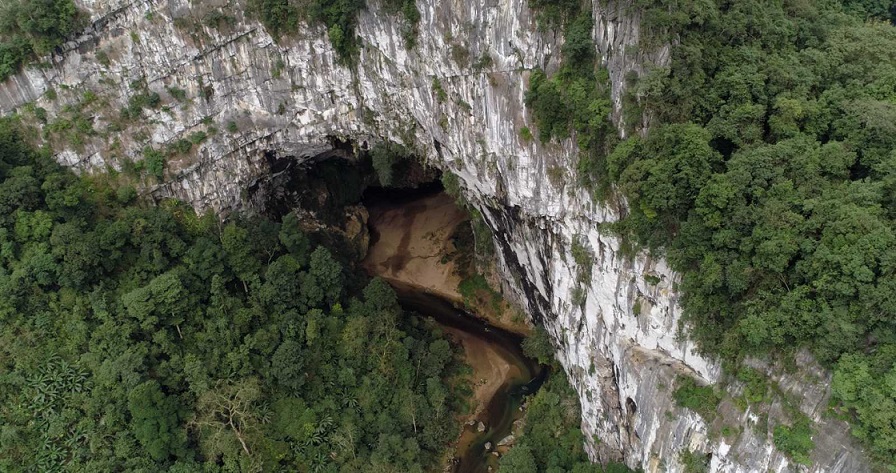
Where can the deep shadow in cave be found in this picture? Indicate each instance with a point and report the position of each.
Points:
(329, 189)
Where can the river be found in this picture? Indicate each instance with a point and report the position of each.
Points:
(504, 407)
(410, 235)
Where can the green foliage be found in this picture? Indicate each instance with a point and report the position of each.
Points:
(31, 28)
(693, 462)
(152, 339)
(408, 10)
(880, 9)
(197, 137)
(279, 17)
(551, 439)
(864, 384)
(340, 17)
(484, 61)
(701, 399)
(126, 194)
(756, 384)
(181, 146)
(141, 99)
(519, 459)
(796, 440)
(583, 258)
(552, 13)
(437, 89)
(575, 100)
(73, 125)
(482, 234)
(470, 286)
(177, 93)
(154, 161)
(155, 421)
(766, 178)
(385, 157)
(538, 346)
(452, 185)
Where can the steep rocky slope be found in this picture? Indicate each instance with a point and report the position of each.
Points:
(457, 98)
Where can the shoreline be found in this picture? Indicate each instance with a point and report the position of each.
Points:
(408, 249)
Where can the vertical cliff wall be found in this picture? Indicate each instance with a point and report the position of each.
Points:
(457, 98)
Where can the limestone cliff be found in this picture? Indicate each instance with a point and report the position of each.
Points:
(457, 98)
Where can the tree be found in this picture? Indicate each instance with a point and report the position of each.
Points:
(228, 413)
(240, 252)
(519, 460)
(294, 239)
(321, 285)
(156, 422)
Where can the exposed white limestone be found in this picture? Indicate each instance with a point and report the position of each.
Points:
(289, 97)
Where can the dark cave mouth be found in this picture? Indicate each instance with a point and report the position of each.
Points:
(327, 183)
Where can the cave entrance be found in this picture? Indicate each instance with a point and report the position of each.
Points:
(325, 185)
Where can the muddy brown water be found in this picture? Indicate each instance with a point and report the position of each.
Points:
(525, 375)
(504, 407)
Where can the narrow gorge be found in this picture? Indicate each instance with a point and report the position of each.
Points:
(252, 109)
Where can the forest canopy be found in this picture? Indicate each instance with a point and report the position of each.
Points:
(767, 177)
(144, 338)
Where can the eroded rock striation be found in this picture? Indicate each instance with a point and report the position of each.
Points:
(457, 97)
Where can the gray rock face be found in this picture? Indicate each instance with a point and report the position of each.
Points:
(457, 98)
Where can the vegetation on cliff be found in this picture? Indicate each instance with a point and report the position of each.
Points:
(31, 28)
(340, 17)
(145, 338)
(551, 439)
(767, 178)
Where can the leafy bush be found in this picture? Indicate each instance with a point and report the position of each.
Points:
(864, 385)
(437, 89)
(693, 462)
(340, 17)
(576, 98)
(197, 137)
(154, 161)
(408, 9)
(279, 17)
(177, 93)
(584, 259)
(31, 28)
(701, 399)
(385, 156)
(538, 346)
(795, 440)
(140, 100)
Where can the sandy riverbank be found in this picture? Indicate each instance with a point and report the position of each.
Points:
(407, 248)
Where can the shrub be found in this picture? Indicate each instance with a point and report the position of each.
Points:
(32, 28)
(181, 146)
(441, 95)
(796, 440)
(384, 157)
(693, 462)
(126, 194)
(197, 137)
(154, 162)
(701, 399)
(177, 93)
